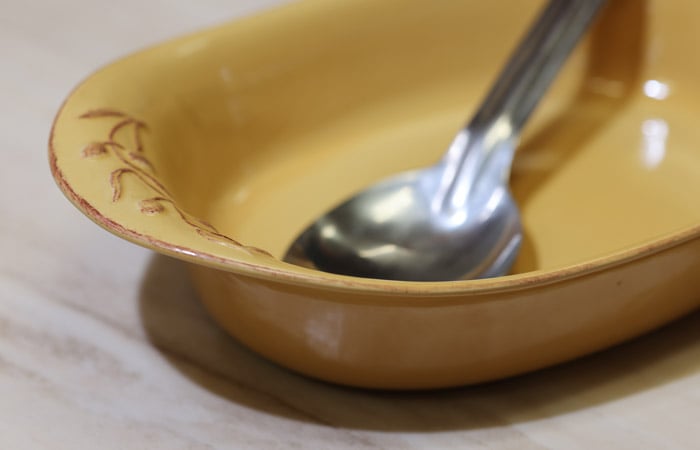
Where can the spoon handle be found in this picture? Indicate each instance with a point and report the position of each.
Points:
(535, 62)
(482, 152)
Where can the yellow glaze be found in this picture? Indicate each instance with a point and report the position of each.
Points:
(219, 147)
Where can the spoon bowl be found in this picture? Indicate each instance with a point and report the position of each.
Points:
(428, 242)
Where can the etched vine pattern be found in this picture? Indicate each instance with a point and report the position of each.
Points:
(134, 163)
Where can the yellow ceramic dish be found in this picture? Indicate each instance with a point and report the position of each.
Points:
(219, 147)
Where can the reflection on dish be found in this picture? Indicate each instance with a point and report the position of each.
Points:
(654, 135)
(656, 89)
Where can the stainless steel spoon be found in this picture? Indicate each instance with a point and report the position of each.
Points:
(456, 219)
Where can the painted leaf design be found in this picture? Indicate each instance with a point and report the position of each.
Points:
(151, 206)
(116, 183)
(137, 165)
(102, 112)
(94, 149)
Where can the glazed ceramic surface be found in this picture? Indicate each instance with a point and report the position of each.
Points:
(219, 147)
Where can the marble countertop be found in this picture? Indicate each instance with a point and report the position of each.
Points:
(104, 345)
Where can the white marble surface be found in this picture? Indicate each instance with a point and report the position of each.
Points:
(103, 344)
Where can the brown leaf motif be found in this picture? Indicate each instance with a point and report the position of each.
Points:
(151, 206)
(127, 147)
(94, 149)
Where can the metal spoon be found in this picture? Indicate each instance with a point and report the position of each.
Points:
(456, 219)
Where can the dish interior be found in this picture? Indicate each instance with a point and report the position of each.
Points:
(257, 129)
